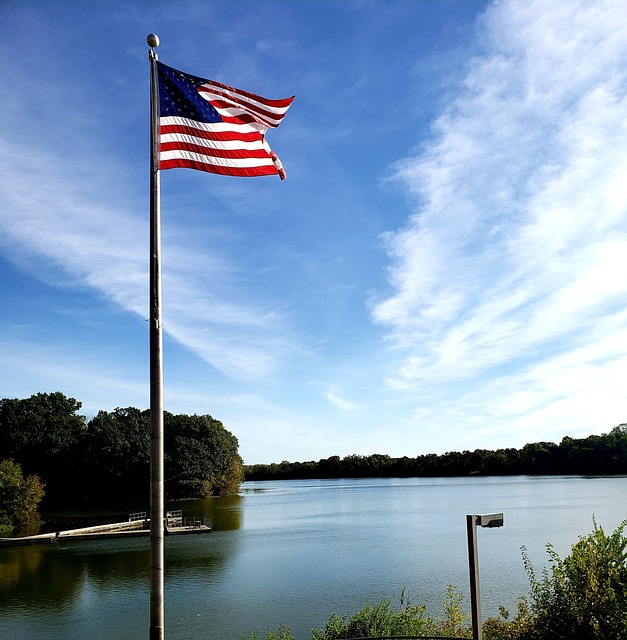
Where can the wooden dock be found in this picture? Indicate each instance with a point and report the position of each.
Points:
(136, 526)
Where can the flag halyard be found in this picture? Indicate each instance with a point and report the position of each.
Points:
(209, 126)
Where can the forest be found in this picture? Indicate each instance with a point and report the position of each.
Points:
(47, 447)
(604, 454)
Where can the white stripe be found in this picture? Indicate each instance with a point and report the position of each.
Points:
(212, 144)
(224, 162)
(249, 107)
(218, 93)
(220, 127)
(237, 112)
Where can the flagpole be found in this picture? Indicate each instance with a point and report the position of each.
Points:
(157, 555)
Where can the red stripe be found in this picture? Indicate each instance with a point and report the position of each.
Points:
(278, 104)
(273, 119)
(243, 118)
(251, 136)
(216, 153)
(243, 172)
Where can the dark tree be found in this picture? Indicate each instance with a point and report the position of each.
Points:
(43, 434)
(202, 457)
(19, 497)
(117, 455)
(108, 460)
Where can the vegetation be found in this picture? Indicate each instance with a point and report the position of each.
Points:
(110, 453)
(42, 433)
(19, 497)
(202, 457)
(596, 454)
(382, 620)
(582, 596)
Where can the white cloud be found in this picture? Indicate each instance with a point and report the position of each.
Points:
(334, 397)
(516, 255)
(65, 225)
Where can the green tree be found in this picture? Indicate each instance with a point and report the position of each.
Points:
(42, 433)
(202, 457)
(19, 497)
(584, 595)
(116, 456)
(538, 457)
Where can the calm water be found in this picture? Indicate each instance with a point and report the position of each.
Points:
(293, 552)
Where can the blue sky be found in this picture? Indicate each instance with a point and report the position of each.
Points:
(443, 269)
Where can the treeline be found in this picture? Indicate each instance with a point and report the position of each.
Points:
(594, 455)
(106, 460)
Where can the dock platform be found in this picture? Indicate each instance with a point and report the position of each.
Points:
(136, 526)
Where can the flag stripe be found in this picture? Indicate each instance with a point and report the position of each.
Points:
(273, 104)
(215, 137)
(235, 115)
(208, 159)
(209, 138)
(225, 128)
(245, 167)
(269, 116)
(239, 172)
(210, 134)
(214, 152)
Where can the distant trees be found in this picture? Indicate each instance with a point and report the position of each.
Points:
(19, 497)
(107, 459)
(597, 454)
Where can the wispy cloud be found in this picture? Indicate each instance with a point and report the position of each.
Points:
(515, 255)
(62, 223)
(337, 400)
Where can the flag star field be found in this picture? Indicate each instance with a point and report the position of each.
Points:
(443, 269)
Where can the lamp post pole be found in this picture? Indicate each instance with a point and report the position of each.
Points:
(490, 520)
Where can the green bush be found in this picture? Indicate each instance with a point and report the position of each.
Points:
(376, 620)
(584, 595)
(19, 497)
(454, 623)
(502, 628)
(382, 620)
(282, 633)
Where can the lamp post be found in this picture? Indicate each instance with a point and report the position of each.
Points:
(489, 520)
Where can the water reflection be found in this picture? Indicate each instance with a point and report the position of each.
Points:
(303, 550)
(54, 575)
(42, 573)
(226, 513)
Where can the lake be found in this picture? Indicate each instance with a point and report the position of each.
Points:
(294, 552)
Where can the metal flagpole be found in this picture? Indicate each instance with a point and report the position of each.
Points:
(157, 555)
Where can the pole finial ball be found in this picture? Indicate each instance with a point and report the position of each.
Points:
(152, 40)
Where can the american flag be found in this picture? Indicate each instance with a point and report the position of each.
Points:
(210, 126)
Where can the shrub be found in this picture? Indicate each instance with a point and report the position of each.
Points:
(19, 497)
(584, 595)
(282, 633)
(382, 620)
(377, 620)
(502, 628)
(454, 624)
